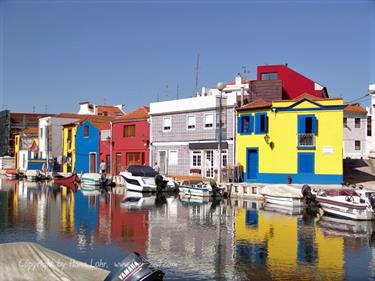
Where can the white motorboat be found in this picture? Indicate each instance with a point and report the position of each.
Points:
(140, 178)
(198, 189)
(91, 179)
(138, 200)
(348, 203)
(283, 195)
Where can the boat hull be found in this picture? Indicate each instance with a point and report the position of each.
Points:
(284, 201)
(194, 191)
(66, 180)
(346, 211)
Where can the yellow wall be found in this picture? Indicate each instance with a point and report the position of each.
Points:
(16, 150)
(283, 132)
(69, 148)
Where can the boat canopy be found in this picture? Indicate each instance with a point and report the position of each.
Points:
(281, 191)
(141, 171)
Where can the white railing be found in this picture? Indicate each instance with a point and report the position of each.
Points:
(306, 140)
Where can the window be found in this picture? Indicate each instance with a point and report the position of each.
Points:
(369, 126)
(209, 120)
(173, 156)
(196, 159)
(345, 122)
(69, 134)
(261, 123)
(357, 145)
(224, 158)
(128, 131)
(307, 129)
(245, 124)
(269, 76)
(357, 122)
(191, 122)
(167, 124)
(86, 131)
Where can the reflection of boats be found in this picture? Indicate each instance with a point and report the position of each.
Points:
(347, 203)
(133, 268)
(335, 226)
(91, 179)
(194, 200)
(89, 190)
(288, 210)
(13, 174)
(35, 175)
(63, 180)
(282, 195)
(138, 200)
(140, 178)
(71, 186)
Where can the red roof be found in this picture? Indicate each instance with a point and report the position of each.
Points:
(140, 113)
(31, 131)
(257, 104)
(355, 108)
(107, 110)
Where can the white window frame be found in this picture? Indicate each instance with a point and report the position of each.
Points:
(187, 122)
(196, 153)
(224, 152)
(170, 127)
(213, 121)
(170, 160)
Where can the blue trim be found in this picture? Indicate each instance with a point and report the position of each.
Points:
(255, 170)
(306, 162)
(258, 118)
(240, 128)
(330, 107)
(297, 178)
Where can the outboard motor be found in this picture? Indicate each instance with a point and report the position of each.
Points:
(135, 268)
(161, 184)
(307, 195)
(372, 200)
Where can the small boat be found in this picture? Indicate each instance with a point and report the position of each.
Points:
(347, 203)
(194, 189)
(140, 178)
(64, 180)
(283, 195)
(91, 179)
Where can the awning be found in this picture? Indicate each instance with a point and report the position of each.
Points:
(207, 145)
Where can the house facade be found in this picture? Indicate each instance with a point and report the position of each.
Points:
(69, 147)
(131, 140)
(297, 141)
(26, 150)
(355, 131)
(185, 135)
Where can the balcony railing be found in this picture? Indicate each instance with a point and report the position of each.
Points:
(306, 140)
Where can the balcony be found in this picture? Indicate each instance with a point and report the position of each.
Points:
(306, 141)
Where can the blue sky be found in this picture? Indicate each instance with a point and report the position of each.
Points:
(59, 53)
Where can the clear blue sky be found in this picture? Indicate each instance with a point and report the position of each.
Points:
(58, 53)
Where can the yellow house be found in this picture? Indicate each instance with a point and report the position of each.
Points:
(300, 141)
(69, 147)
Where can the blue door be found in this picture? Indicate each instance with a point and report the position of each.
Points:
(306, 162)
(252, 164)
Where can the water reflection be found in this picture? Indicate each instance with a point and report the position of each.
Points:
(191, 239)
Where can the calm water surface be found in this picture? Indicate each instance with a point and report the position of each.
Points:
(189, 240)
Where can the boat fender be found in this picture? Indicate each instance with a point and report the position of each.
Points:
(372, 200)
(349, 198)
(135, 268)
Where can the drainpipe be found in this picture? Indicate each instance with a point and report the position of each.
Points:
(110, 149)
(150, 148)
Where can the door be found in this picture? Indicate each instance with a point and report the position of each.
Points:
(252, 164)
(133, 158)
(107, 164)
(306, 163)
(118, 163)
(163, 162)
(92, 162)
(209, 163)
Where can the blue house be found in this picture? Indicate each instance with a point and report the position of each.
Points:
(87, 142)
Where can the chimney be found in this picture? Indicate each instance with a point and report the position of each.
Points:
(238, 79)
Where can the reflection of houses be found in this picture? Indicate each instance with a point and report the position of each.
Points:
(131, 134)
(301, 139)
(26, 149)
(193, 240)
(355, 131)
(290, 247)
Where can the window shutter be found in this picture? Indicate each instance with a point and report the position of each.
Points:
(239, 124)
(301, 124)
(251, 124)
(314, 125)
(265, 123)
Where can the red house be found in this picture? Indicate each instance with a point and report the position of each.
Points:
(130, 140)
(294, 84)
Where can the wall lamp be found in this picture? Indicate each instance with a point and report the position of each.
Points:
(267, 139)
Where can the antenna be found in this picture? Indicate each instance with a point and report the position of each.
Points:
(157, 97)
(33, 108)
(177, 91)
(245, 69)
(197, 74)
(166, 90)
(104, 101)
(45, 108)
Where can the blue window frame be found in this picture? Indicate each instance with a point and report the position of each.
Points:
(307, 130)
(261, 123)
(245, 124)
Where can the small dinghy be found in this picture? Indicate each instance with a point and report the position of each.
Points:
(30, 261)
(97, 180)
(64, 180)
(194, 189)
(283, 195)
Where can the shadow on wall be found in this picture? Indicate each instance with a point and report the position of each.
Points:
(357, 171)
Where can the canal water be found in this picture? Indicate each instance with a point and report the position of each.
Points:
(188, 239)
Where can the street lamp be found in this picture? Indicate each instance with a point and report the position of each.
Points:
(220, 87)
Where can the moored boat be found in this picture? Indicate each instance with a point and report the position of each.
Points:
(64, 180)
(140, 178)
(283, 195)
(194, 190)
(347, 203)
